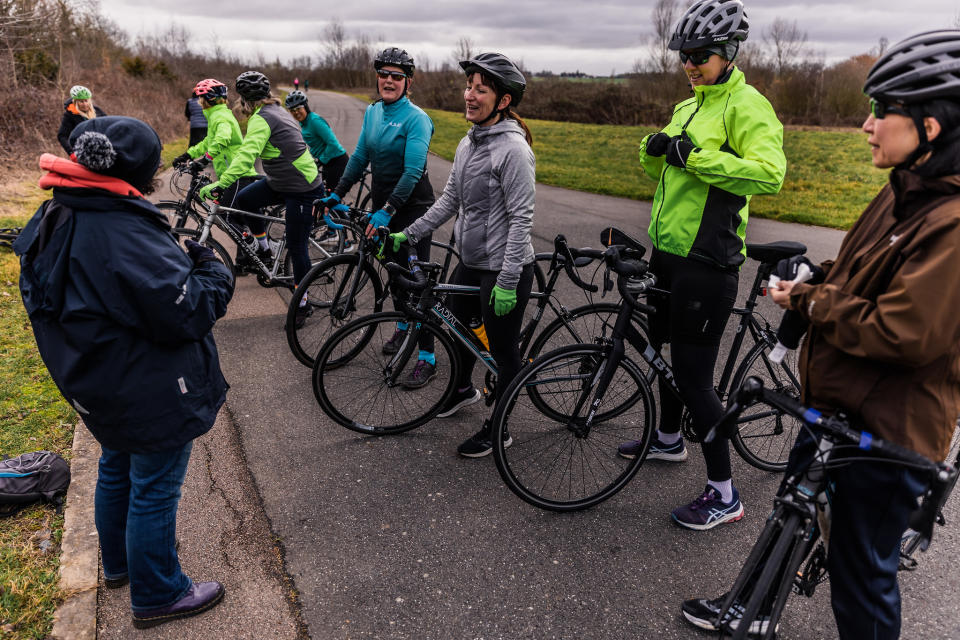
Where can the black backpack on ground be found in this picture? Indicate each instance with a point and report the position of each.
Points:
(32, 477)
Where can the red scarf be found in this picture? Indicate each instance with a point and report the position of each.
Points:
(69, 173)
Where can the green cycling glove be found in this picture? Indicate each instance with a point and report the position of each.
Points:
(204, 192)
(503, 300)
(397, 239)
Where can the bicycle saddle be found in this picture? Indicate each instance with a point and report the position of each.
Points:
(774, 252)
(613, 236)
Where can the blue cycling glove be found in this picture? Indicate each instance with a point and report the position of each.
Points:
(333, 203)
(379, 219)
(330, 223)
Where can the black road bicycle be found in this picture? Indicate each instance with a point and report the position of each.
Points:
(361, 387)
(567, 459)
(773, 568)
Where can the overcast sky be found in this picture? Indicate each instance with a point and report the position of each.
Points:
(598, 37)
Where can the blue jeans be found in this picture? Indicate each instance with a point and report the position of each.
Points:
(136, 516)
(299, 218)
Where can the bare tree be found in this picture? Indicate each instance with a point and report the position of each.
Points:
(464, 50)
(882, 46)
(663, 17)
(335, 38)
(787, 41)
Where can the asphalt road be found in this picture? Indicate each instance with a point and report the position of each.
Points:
(397, 537)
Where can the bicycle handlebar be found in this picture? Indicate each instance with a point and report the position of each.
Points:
(943, 475)
(405, 279)
(562, 250)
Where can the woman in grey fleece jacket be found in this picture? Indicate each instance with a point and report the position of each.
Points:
(491, 187)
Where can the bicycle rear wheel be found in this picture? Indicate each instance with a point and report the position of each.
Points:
(765, 436)
(555, 462)
(337, 290)
(584, 325)
(221, 253)
(361, 388)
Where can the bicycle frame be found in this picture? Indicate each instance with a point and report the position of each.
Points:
(269, 273)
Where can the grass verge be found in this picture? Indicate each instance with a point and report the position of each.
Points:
(829, 181)
(33, 416)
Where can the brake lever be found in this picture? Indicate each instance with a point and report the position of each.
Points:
(607, 282)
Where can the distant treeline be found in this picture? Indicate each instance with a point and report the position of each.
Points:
(46, 46)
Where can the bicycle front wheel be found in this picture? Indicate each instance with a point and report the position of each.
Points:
(556, 461)
(192, 234)
(764, 435)
(363, 388)
(335, 292)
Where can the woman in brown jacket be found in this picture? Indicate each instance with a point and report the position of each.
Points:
(883, 342)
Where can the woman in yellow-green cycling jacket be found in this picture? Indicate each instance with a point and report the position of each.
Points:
(222, 140)
(722, 146)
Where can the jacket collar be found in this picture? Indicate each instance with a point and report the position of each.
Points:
(912, 192)
(713, 91)
(86, 199)
(215, 108)
(395, 105)
(479, 134)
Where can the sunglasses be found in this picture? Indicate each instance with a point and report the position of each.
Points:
(396, 75)
(696, 57)
(881, 109)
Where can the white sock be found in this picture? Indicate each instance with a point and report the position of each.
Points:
(263, 242)
(668, 438)
(303, 301)
(725, 487)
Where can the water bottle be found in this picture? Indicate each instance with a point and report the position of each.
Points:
(476, 325)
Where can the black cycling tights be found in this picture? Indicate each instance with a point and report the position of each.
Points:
(503, 332)
(692, 319)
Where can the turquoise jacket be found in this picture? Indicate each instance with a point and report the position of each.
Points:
(318, 135)
(394, 140)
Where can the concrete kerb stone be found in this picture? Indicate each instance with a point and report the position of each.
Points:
(76, 618)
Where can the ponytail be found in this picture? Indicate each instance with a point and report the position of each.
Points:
(509, 113)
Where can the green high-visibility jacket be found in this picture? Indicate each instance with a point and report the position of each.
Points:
(274, 137)
(222, 140)
(701, 211)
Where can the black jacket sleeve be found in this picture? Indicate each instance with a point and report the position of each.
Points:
(66, 128)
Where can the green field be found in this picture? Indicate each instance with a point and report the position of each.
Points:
(829, 175)
(33, 416)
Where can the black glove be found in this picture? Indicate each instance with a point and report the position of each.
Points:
(678, 150)
(183, 158)
(657, 144)
(199, 253)
(199, 164)
(787, 269)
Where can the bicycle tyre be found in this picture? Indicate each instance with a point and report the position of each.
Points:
(221, 253)
(356, 393)
(325, 287)
(774, 572)
(597, 320)
(764, 437)
(575, 460)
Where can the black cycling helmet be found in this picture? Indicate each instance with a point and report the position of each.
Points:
(504, 73)
(253, 85)
(394, 57)
(709, 22)
(922, 67)
(295, 99)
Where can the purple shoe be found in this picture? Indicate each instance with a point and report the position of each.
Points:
(709, 510)
(200, 597)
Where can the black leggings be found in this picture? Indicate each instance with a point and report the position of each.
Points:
(503, 332)
(692, 319)
(333, 170)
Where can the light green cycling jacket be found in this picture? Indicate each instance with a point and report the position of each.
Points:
(222, 140)
(701, 211)
(274, 137)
